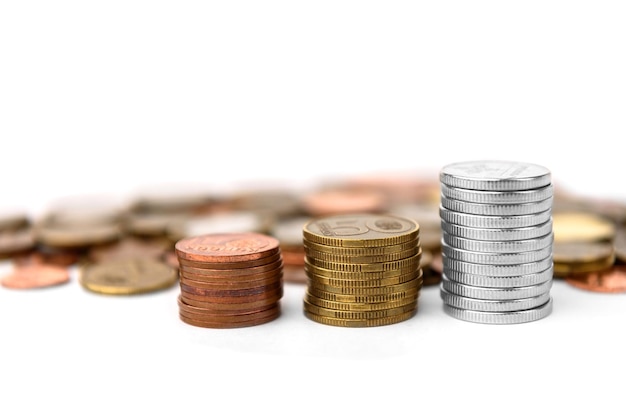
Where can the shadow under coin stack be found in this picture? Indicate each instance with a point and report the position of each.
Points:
(497, 241)
(229, 280)
(363, 269)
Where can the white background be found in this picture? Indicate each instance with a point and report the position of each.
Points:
(107, 96)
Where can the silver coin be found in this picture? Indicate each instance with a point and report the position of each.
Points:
(496, 209)
(524, 280)
(497, 234)
(495, 175)
(511, 246)
(495, 293)
(494, 222)
(501, 318)
(484, 305)
(495, 269)
(496, 258)
(497, 197)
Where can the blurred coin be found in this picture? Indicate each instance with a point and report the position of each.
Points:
(16, 241)
(12, 218)
(581, 226)
(178, 198)
(65, 235)
(151, 224)
(128, 247)
(35, 276)
(127, 276)
(427, 217)
(612, 280)
(334, 202)
(620, 244)
(217, 223)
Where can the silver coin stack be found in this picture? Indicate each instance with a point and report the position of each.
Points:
(497, 238)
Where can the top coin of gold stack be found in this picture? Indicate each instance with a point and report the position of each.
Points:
(363, 269)
(229, 280)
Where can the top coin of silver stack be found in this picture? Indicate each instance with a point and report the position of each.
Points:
(496, 220)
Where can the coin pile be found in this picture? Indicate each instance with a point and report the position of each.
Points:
(229, 280)
(497, 240)
(363, 269)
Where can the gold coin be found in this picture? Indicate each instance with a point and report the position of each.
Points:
(360, 259)
(359, 306)
(360, 315)
(127, 276)
(361, 230)
(360, 275)
(409, 262)
(413, 292)
(360, 323)
(379, 290)
(76, 236)
(581, 226)
(361, 251)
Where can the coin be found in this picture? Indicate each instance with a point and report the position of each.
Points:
(496, 258)
(229, 248)
(12, 218)
(16, 241)
(255, 321)
(358, 323)
(80, 236)
(494, 222)
(523, 280)
(620, 244)
(359, 315)
(499, 209)
(361, 230)
(581, 226)
(496, 293)
(384, 250)
(498, 234)
(35, 276)
(259, 264)
(496, 269)
(260, 303)
(511, 246)
(498, 197)
(612, 280)
(364, 299)
(377, 289)
(217, 223)
(271, 269)
(513, 317)
(488, 305)
(128, 247)
(495, 175)
(127, 276)
(405, 263)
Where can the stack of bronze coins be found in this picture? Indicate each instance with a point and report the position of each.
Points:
(229, 280)
(363, 269)
(497, 242)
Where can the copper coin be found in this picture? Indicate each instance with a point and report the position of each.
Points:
(128, 247)
(230, 266)
(252, 291)
(216, 285)
(191, 310)
(247, 306)
(217, 279)
(612, 280)
(234, 299)
(35, 276)
(230, 318)
(257, 321)
(293, 257)
(227, 248)
(42, 255)
(171, 259)
(199, 274)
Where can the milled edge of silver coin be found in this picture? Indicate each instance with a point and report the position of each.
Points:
(487, 305)
(497, 209)
(510, 246)
(523, 280)
(501, 318)
(497, 196)
(468, 175)
(496, 269)
(494, 222)
(497, 234)
(495, 293)
(495, 258)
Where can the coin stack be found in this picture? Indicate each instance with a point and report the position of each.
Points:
(229, 280)
(363, 269)
(497, 241)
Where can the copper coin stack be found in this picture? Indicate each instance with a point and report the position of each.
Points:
(229, 280)
(363, 269)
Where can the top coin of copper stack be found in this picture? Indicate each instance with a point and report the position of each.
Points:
(229, 280)
(363, 269)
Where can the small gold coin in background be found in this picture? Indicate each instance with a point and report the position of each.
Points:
(127, 276)
(581, 227)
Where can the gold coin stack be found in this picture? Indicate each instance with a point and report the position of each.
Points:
(363, 269)
(229, 280)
